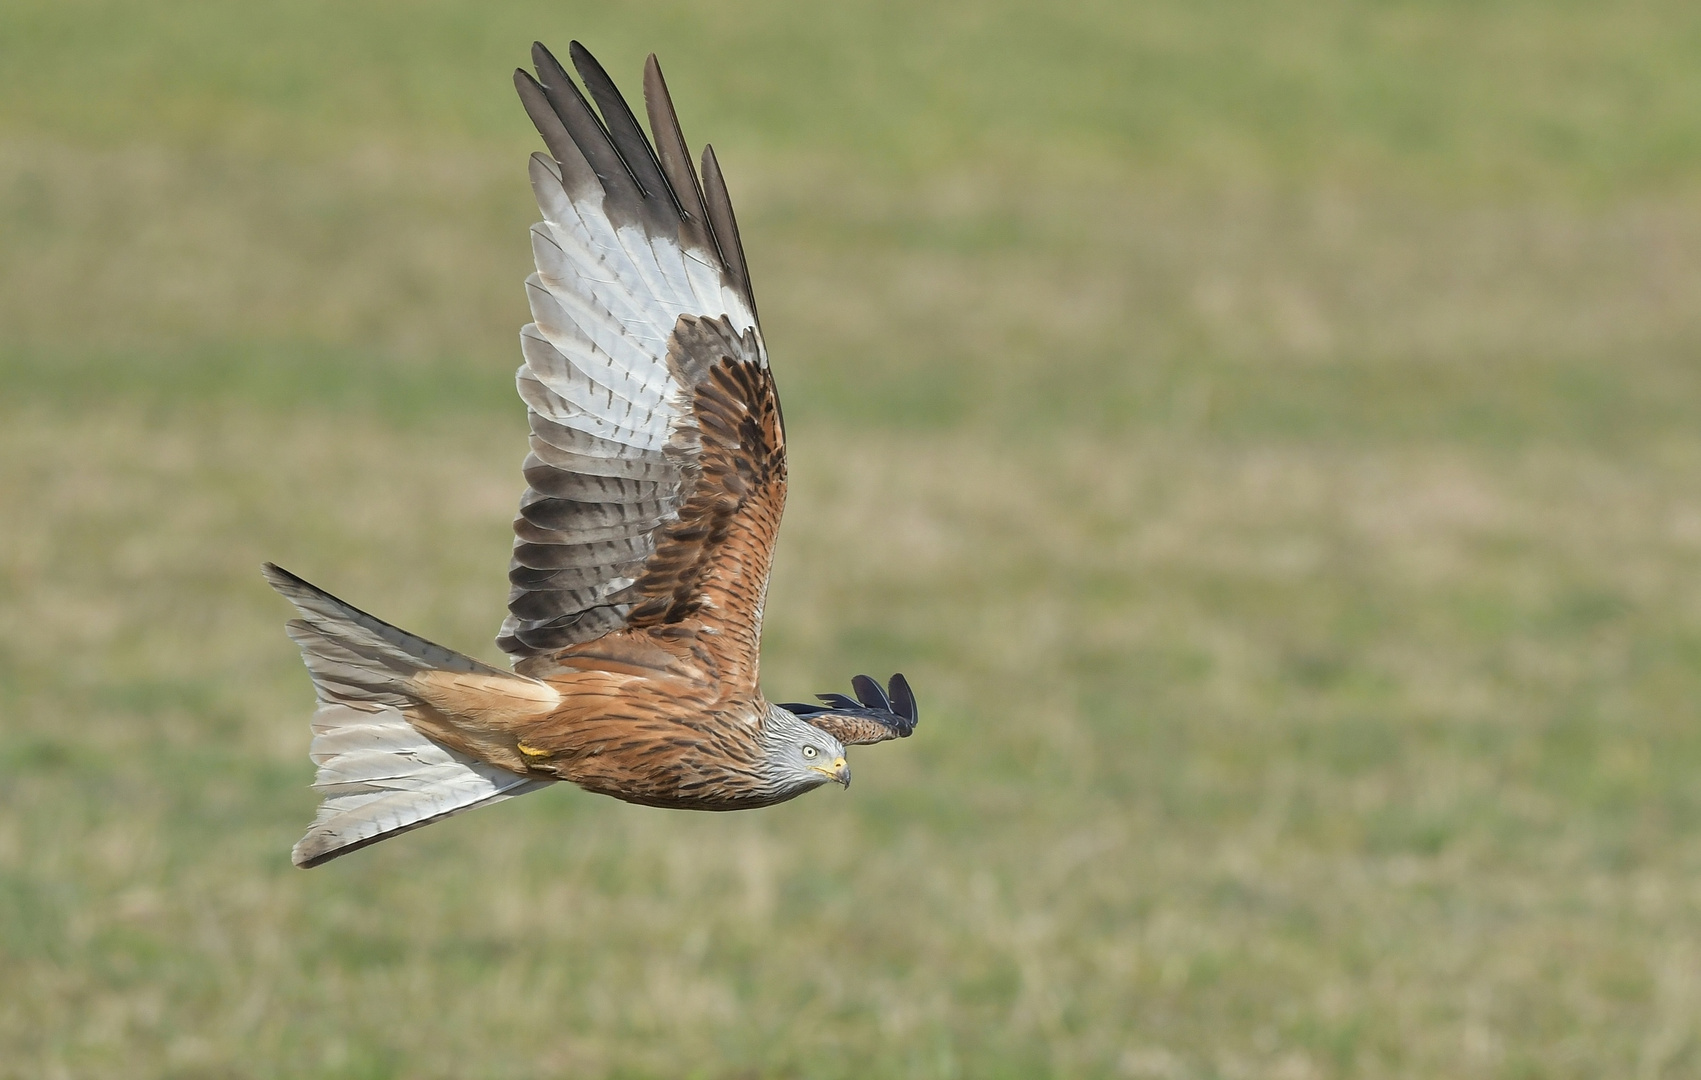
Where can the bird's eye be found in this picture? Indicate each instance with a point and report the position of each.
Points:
(810, 751)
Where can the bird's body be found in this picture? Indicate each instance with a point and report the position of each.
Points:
(657, 477)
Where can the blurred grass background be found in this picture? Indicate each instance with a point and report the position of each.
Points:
(1267, 433)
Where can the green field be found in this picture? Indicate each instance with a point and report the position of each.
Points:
(1267, 434)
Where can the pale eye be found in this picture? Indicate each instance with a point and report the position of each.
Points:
(810, 751)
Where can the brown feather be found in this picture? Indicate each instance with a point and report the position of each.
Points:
(853, 730)
(667, 710)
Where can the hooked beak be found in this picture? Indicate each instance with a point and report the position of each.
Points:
(838, 771)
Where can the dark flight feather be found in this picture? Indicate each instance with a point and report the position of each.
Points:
(675, 159)
(628, 139)
(726, 225)
(873, 716)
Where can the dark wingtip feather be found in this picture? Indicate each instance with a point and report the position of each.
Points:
(869, 693)
(284, 581)
(903, 699)
(545, 119)
(581, 56)
(725, 224)
(675, 159)
(628, 138)
(896, 714)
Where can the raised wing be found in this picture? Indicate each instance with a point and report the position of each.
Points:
(657, 466)
(875, 715)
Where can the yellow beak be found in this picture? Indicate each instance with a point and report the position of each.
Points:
(838, 771)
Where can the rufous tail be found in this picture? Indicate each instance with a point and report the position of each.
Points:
(379, 773)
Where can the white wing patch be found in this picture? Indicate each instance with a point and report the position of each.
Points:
(604, 303)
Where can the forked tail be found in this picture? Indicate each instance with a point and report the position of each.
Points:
(379, 774)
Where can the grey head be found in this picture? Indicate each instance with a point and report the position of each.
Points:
(800, 756)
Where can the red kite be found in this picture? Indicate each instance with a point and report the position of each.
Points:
(656, 479)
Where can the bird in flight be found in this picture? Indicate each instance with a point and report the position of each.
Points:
(655, 483)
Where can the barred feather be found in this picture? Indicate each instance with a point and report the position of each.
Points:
(378, 773)
(630, 250)
(380, 777)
